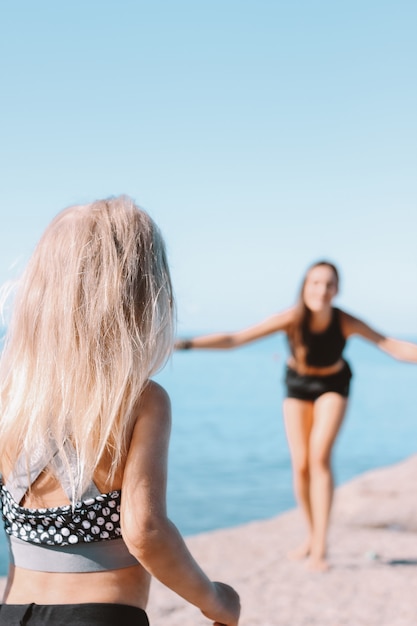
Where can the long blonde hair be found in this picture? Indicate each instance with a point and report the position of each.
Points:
(92, 321)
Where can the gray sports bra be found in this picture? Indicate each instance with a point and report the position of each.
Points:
(85, 537)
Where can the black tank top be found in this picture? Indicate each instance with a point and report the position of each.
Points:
(325, 348)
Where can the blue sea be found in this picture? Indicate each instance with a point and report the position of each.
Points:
(229, 461)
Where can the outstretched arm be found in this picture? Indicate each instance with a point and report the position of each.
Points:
(397, 348)
(275, 323)
(149, 535)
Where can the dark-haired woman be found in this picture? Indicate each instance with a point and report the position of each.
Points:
(317, 389)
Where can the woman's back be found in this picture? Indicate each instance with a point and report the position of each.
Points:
(84, 434)
(126, 585)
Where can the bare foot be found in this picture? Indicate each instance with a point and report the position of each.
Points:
(318, 564)
(301, 552)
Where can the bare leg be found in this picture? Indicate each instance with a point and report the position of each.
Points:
(329, 411)
(298, 417)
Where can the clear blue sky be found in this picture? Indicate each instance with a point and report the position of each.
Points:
(260, 134)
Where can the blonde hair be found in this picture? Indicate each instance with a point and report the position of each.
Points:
(92, 321)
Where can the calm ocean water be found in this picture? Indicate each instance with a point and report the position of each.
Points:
(229, 462)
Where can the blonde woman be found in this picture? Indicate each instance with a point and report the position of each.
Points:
(317, 388)
(84, 432)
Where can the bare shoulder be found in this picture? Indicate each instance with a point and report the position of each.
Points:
(352, 325)
(151, 430)
(154, 398)
(153, 410)
(348, 322)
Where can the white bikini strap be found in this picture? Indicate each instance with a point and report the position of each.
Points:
(23, 474)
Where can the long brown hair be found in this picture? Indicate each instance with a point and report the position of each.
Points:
(298, 329)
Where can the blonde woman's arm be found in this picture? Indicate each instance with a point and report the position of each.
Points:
(397, 348)
(223, 341)
(150, 536)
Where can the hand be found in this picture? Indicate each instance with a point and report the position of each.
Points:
(227, 609)
(182, 344)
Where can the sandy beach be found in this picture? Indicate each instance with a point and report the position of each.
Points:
(373, 553)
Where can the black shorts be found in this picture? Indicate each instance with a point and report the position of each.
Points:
(312, 387)
(90, 614)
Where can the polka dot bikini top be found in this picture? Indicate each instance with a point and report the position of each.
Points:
(80, 538)
(95, 519)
